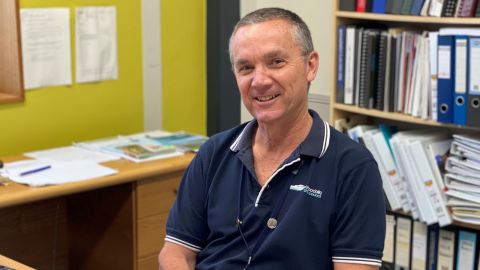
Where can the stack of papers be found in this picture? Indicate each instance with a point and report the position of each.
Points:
(463, 179)
(41, 172)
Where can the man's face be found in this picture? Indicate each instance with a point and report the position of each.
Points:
(271, 72)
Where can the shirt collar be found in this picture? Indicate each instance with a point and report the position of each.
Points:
(315, 145)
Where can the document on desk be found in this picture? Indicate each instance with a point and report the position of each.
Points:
(71, 153)
(46, 47)
(42, 173)
(96, 44)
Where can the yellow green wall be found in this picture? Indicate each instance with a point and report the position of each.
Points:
(184, 65)
(56, 116)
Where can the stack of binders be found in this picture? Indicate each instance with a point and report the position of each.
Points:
(463, 179)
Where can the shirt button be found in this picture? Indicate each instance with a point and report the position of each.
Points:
(272, 223)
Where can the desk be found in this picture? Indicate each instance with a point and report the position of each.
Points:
(113, 222)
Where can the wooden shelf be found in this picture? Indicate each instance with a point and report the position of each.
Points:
(395, 116)
(407, 19)
(11, 79)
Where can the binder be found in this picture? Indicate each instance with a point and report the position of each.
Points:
(432, 248)
(349, 70)
(446, 249)
(419, 246)
(416, 7)
(460, 82)
(389, 6)
(473, 99)
(388, 262)
(348, 5)
(467, 9)
(341, 65)
(379, 6)
(466, 250)
(448, 8)
(397, 6)
(406, 7)
(446, 73)
(361, 6)
(389, 180)
(433, 44)
(378, 101)
(403, 238)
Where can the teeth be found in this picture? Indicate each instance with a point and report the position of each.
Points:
(266, 98)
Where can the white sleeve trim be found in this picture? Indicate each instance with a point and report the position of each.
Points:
(357, 260)
(183, 243)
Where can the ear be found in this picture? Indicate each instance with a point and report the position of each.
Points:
(312, 66)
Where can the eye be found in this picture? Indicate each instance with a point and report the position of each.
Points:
(244, 69)
(277, 62)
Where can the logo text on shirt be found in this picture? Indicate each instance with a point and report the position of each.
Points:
(309, 191)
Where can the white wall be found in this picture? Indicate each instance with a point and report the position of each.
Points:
(318, 15)
(152, 68)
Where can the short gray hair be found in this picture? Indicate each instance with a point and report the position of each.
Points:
(300, 28)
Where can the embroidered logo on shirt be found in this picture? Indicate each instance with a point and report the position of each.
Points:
(309, 191)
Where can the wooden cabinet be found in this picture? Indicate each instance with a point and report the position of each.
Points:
(11, 79)
(155, 197)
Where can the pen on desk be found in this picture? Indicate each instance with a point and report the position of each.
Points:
(35, 170)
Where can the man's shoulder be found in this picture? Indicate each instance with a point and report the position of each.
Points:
(223, 140)
(347, 150)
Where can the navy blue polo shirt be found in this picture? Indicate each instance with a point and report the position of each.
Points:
(328, 197)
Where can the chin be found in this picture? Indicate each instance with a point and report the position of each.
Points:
(267, 117)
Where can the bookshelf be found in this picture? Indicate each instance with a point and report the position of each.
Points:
(340, 110)
(11, 80)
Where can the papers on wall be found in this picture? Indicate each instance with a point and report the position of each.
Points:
(56, 172)
(96, 44)
(46, 47)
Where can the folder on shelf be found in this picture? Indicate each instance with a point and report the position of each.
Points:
(406, 7)
(388, 187)
(466, 249)
(436, 7)
(433, 44)
(416, 7)
(397, 6)
(388, 262)
(446, 73)
(419, 246)
(467, 9)
(350, 60)
(473, 99)
(403, 243)
(428, 182)
(446, 249)
(460, 82)
(379, 91)
(348, 5)
(379, 6)
(340, 64)
(432, 248)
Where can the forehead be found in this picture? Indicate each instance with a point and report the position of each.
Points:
(273, 34)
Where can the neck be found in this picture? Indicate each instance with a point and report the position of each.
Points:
(283, 136)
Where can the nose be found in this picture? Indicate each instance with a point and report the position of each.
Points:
(261, 78)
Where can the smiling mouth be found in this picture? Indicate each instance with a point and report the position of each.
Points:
(266, 98)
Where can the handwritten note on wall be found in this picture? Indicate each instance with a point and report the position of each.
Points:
(46, 47)
(96, 44)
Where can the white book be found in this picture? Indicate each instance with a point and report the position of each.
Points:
(436, 7)
(349, 64)
(427, 182)
(425, 7)
(412, 203)
(419, 246)
(433, 42)
(403, 243)
(388, 186)
(446, 249)
(437, 153)
(358, 131)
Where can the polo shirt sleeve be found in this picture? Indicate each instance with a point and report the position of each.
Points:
(359, 227)
(187, 224)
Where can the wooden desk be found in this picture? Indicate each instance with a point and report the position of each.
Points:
(113, 222)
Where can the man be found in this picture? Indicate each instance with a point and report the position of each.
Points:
(284, 191)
